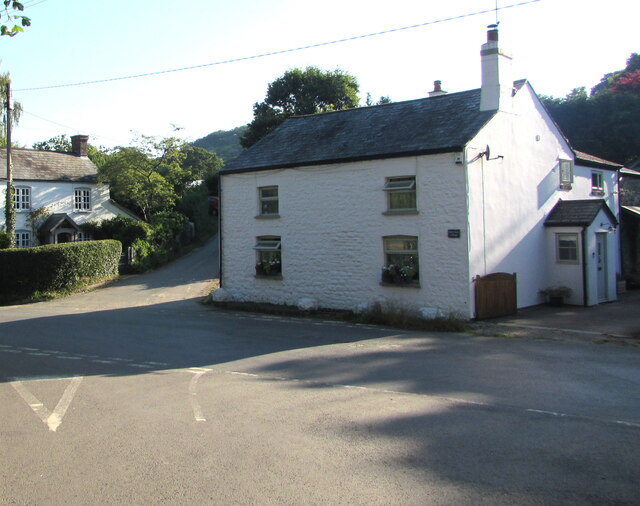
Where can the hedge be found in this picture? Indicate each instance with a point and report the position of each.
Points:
(25, 272)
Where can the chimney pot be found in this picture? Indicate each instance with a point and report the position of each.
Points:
(437, 85)
(79, 144)
(492, 33)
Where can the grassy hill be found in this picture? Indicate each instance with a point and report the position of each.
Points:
(225, 143)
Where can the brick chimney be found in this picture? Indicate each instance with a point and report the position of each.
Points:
(437, 89)
(497, 81)
(79, 144)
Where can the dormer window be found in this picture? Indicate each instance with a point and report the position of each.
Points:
(566, 174)
(597, 183)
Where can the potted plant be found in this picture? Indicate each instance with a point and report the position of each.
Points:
(556, 294)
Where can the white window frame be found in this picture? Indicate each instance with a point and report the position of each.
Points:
(22, 198)
(267, 200)
(83, 236)
(268, 249)
(565, 168)
(598, 187)
(389, 272)
(400, 185)
(22, 239)
(567, 236)
(82, 200)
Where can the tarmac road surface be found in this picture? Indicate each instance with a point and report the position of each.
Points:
(138, 394)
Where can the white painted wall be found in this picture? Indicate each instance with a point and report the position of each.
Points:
(510, 196)
(58, 197)
(331, 225)
(565, 274)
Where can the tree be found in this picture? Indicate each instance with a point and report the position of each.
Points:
(10, 15)
(135, 178)
(298, 92)
(154, 174)
(604, 123)
(60, 143)
(16, 112)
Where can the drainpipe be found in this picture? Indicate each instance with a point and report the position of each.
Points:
(220, 228)
(585, 285)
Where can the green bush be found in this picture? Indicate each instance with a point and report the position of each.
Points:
(56, 267)
(4, 240)
(125, 230)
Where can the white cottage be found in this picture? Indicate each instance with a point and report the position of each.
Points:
(64, 185)
(415, 202)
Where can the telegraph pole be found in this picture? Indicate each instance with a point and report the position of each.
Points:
(10, 211)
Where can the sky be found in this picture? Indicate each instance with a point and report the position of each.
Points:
(557, 45)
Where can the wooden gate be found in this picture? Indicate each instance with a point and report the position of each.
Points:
(496, 295)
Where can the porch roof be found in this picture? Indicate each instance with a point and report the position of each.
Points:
(577, 213)
(56, 220)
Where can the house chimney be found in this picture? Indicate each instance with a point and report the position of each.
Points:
(497, 83)
(79, 144)
(437, 89)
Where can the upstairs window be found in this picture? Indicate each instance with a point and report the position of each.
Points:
(597, 183)
(22, 198)
(82, 200)
(268, 196)
(268, 256)
(401, 193)
(566, 174)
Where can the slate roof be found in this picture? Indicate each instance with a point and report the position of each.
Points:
(593, 161)
(577, 213)
(32, 165)
(440, 124)
(57, 219)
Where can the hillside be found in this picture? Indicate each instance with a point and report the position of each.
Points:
(225, 143)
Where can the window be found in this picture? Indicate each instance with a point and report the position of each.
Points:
(23, 239)
(22, 198)
(268, 256)
(597, 183)
(567, 248)
(83, 236)
(268, 200)
(401, 260)
(82, 200)
(566, 174)
(401, 193)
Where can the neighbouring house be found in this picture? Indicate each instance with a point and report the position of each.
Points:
(416, 202)
(630, 224)
(54, 193)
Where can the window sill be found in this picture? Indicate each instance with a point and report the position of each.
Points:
(401, 285)
(401, 212)
(597, 193)
(261, 276)
(267, 216)
(565, 186)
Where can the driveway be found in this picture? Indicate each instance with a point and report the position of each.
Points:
(620, 319)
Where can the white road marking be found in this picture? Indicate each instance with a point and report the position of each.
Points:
(51, 419)
(195, 405)
(444, 398)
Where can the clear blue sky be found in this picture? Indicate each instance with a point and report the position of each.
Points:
(556, 44)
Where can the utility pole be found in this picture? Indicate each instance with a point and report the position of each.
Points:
(10, 211)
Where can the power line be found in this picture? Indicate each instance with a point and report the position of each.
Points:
(282, 51)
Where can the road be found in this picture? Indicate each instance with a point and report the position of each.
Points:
(138, 394)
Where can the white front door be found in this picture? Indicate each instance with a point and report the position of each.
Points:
(601, 261)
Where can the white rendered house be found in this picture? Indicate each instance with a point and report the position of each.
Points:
(413, 201)
(65, 185)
